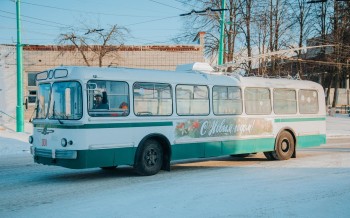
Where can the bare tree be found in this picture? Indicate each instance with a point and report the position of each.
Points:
(210, 23)
(246, 11)
(96, 43)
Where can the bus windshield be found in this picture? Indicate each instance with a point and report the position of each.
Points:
(42, 103)
(66, 101)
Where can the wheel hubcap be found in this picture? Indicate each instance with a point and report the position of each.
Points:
(151, 157)
(285, 145)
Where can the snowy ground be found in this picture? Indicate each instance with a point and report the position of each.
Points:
(315, 184)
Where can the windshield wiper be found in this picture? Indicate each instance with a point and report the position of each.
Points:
(36, 111)
(54, 113)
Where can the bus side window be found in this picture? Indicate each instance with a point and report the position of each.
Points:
(227, 100)
(284, 101)
(152, 99)
(113, 94)
(308, 101)
(257, 101)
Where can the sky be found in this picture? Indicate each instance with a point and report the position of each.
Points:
(149, 21)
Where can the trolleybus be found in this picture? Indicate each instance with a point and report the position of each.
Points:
(104, 117)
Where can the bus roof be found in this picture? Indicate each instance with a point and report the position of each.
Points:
(181, 77)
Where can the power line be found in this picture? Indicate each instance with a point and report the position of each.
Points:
(166, 5)
(193, 6)
(81, 11)
(64, 25)
(32, 22)
(149, 21)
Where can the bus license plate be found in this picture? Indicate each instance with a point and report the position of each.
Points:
(43, 142)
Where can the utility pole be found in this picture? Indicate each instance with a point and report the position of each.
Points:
(222, 27)
(19, 108)
(222, 33)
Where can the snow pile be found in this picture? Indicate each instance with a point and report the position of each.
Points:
(338, 126)
(12, 142)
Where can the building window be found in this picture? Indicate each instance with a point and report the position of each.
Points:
(31, 79)
(31, 87)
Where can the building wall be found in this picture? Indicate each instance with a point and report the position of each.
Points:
(8, 80)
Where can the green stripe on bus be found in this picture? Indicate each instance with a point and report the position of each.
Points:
(311, 140)
(105, 125)
(219, 148)
(282, 120)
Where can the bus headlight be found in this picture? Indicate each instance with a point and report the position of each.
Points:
(31, 139)
(64, 142)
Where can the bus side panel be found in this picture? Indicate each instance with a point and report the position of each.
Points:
(214, 149)
(108, 157)
(311, 140)
(187, 151)
(245, 146)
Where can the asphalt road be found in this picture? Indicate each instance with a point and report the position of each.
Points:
(315, 184)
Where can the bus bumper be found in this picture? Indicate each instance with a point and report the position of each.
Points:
(80, 159)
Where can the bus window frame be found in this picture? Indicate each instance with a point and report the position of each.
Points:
(103, 112)
(188, 115)
(151, 115)
(296, 101)
(245, 101)
(318, 102)
(82, 100)
(212, 98)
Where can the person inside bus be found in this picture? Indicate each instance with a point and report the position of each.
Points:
(124, 107)
(101, 101)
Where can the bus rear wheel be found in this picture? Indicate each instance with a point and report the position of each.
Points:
(149, 161)
(285, 146)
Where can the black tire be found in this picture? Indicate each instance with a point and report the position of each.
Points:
(269, 155)
(149, 159)
(285, 146)
(109, 168)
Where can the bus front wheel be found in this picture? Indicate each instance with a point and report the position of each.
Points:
(150, 158)
(285, 146)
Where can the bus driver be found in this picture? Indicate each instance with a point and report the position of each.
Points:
(99, 104)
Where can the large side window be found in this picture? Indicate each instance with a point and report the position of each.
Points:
(152, 99)
(192, 100)
(308, 101)
(257, 101)
(227, 100)
(108, 98)
(284, 101)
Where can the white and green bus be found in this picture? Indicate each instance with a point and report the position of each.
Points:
(104, 117)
